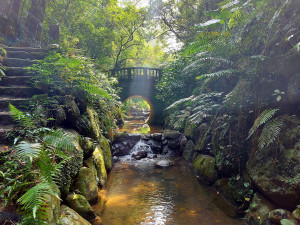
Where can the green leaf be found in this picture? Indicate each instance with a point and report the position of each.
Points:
(287, 222)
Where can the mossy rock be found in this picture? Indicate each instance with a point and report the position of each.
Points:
(70, 217)
(86, 185)
(189, 128)
(200, 136)
(100, 165)
(87, 145)
(276, 172)
(105, 146)
(71, 109)
(53, 206)
(189, 151)
(81, 205)
(70, 168)
(90, 164)
(95, 123)
(205, 168)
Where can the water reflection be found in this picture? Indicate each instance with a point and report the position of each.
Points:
(138, 126)
(146, 195)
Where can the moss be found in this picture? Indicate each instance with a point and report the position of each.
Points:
(106, 152)
(69, 216)
(80, 204)
(86, 185)
(71, 168)
(205, 168)
(100, 165)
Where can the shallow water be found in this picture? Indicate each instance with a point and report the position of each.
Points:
(139, 193)
(141, 127)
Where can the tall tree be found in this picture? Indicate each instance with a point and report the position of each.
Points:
(35, 20)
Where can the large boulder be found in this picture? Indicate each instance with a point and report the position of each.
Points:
(275, 170)
(71, 167)
(86, 185)
(188, 151)
(205, 168)
(189, 128)
(200, 136)
(91, 165)
(53, 206)
(71, 109)
(293, 90)
(171, 135)
(100, 165)
(105, 146)
(69, 217)
(81, 205)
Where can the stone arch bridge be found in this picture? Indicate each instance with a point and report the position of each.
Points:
(141, 81)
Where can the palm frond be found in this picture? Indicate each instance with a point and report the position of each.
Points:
(263, 118)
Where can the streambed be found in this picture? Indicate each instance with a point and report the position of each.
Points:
(140, 193)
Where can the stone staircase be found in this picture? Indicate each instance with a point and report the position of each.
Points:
(15, 87)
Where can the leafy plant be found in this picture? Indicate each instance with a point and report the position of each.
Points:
(263, 118)
(270, 132)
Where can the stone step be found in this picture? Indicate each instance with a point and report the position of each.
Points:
(16, 71)
(3, 132)
(5, 118)
(15, 62)
(15, 80)
(26, 55)
(17, 102)
(18, 91)
(26, 49)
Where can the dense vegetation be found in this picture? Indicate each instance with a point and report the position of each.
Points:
(232, 88)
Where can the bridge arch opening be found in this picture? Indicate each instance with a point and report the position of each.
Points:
(137, 107)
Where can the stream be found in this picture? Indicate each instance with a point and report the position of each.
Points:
(140, 192)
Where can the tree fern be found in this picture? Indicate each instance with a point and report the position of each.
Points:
(270, 132)
(263, 118)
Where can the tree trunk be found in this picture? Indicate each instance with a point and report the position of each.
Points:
(35, 19)
(16, 8)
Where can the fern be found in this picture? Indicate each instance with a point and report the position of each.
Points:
(217, 74)
(23, 120)
(270, 132)
(27, 150)
(34, 202)
(263, 118)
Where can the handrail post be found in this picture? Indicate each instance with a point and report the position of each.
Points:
(129, 73)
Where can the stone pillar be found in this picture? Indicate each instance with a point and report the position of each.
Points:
(54, 34)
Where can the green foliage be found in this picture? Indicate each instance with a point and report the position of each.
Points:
(23, 120)
(286, 222)
(270, 132)
(39, 160)
(262, 119)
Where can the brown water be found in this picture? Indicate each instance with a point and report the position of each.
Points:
(139, 193)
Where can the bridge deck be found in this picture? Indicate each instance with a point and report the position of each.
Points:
(136, 72)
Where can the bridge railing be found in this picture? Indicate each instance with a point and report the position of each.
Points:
(136, 72)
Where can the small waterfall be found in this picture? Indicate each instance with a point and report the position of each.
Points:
(141, 146)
